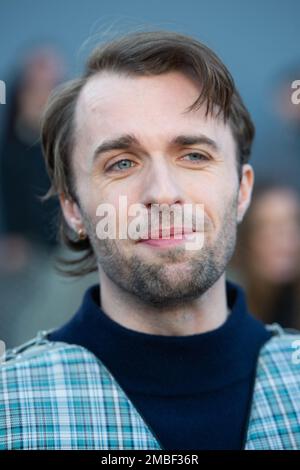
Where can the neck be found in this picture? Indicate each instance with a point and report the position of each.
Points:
(204, 314)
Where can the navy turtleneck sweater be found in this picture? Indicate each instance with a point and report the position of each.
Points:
(194, 392)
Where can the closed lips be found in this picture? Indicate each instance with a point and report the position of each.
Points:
(169, 232)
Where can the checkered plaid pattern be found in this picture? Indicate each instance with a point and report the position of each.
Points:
(275, 413)
(59, 396)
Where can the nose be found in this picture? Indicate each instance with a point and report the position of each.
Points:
(161, 185)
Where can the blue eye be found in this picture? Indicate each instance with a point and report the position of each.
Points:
(199, 156)
(121, 165)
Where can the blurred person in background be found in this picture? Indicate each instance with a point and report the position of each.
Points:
(285, 107)
(27, 223)
(283, 138)
(267, 256)
(32, 295)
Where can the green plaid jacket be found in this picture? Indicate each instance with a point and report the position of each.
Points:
(55, 395)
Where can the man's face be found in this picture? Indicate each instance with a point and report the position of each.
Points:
(155, 169)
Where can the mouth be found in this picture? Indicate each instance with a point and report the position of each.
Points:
(168, 237)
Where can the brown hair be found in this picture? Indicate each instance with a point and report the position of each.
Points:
(142, 53)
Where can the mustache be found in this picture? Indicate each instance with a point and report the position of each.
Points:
(158, 221)
(164, 225)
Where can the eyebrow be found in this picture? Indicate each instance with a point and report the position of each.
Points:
(124, 142)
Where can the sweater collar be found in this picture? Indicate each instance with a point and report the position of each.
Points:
(169, 365)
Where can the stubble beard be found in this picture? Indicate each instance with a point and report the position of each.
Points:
(177, 276)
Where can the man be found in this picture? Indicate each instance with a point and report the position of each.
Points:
(162, 354)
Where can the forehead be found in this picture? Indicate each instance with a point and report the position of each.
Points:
(151, 107)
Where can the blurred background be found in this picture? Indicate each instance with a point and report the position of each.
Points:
(45, 42)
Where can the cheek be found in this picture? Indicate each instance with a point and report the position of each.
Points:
(118, 202)
(216, 195)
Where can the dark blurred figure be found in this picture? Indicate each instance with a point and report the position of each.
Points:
(288, 111)
(279, 153)
(26, 221)
(267, 256)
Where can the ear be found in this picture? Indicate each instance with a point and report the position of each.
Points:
(245, 191)
(71, 213)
